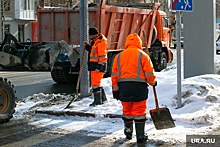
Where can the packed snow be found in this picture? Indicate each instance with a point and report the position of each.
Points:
(199, 114)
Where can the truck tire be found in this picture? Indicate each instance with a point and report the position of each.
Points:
(162, 62)
(63, 76)
(7, 100)
(55, 76)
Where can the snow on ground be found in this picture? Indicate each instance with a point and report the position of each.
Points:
(198, 116)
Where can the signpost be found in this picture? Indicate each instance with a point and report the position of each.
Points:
(186, 6)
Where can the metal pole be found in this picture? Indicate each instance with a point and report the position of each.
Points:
(84, 82)
(178, 29)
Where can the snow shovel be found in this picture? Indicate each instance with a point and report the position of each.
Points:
(161, 116)
(77, 86)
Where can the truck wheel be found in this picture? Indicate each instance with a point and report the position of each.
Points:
(7, 100)
(62, 76)
(55, 76)
(65, 77)
(162, 62)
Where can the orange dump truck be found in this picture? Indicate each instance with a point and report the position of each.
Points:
(116, 21)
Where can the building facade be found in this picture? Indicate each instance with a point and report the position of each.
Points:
(16, 18)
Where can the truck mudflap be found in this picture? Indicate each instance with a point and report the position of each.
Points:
(170, 56)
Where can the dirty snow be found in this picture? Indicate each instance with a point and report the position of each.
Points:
(198, 116)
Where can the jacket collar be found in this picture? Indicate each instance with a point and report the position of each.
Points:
(98, 38)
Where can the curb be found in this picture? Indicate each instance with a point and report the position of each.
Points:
(81, 114)
(74, 113)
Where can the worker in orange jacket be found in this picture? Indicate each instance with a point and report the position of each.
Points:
(131, 71)
(97, 64)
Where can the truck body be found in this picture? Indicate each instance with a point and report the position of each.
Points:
(115, 21)
(57, 38)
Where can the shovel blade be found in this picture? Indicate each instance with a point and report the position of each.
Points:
(162, 118)
(73, 99)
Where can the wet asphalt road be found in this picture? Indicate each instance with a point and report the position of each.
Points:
(18, 133)
(29, 83)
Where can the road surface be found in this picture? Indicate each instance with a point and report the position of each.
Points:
(29, 83)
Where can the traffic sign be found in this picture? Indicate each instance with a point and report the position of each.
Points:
(182, 5)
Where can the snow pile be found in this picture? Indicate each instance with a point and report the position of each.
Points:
(199, 114)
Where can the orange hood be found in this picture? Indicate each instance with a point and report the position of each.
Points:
(133, 41)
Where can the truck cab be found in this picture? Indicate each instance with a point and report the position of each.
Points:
(164, 32)
(160, 51)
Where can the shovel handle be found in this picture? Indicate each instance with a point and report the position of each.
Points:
(155, 96)
(80, 71)
(77, 86)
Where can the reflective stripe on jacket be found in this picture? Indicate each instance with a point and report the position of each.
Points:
(132, 66)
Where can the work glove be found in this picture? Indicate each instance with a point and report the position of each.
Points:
(88, 48)
(154, 84)
(116, 95)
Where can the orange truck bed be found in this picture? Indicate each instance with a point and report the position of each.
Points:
(116, 22)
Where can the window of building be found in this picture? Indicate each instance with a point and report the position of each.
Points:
(6, 28)
(21, 33)
(31, 2)
(35, 6)
(21, 4)
(27, 4)
(7, 5)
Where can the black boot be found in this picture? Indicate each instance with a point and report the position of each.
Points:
(128, 130)
(141, 137)
(93, 103)
(97, 99)
(104, 99)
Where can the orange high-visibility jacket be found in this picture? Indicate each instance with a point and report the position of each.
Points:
(98, 53)
(132, 65)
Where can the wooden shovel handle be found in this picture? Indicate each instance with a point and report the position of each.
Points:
(77, 86)
(80, 70)
(155, 96)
